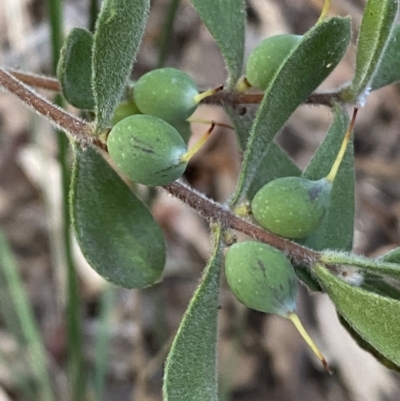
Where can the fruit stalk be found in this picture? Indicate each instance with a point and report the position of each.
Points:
(324, 11)
(191, 152)
(335, 167)
(300, 328)
(198, 98)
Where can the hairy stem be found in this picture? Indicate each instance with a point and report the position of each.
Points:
(77, 129)
(233, 98)
(37, 81)
(214, 212)
(81, 131)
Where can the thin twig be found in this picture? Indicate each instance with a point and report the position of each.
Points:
(214, 212)
(80, 131)
(77, 129)
(237, 98)
(233, 98)
(37, 81)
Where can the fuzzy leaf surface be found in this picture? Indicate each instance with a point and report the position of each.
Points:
(226, 21)
(337, 227)
(369, 266)
(116, 232)
(190, 371)
(382, 286)
(367, 346)
(118, 34)
(392, 256)
(74, 69)
(376, 319)
(388, 70)
(373, 36)
(309, 63)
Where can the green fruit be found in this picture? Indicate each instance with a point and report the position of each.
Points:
(265, 60)
(184, 129)
(123, 110)
(291, 207)
(166, 93)
(147, 150)
(261, 277)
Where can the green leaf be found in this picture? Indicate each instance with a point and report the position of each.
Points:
(373, 266)
(380, 286)
(388, 70)
(241, 124)
(74, 69)
(226, 21)
(116, 232)
(374, 33)
(337, 227)
(316, 55)
(119, 31)
(368, 347)
(374, 318)
(190, 371)
(393, 256)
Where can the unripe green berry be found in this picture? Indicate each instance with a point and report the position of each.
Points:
(166, 93)
(147, 150)
(123, 110)
(184, 129)
(291, 207)
(267, 57)
(261, 277)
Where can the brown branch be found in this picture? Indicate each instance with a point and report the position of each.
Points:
(237, 98)
(233, 98)
(215, 212)
(37, 81)
(77, 129)
(81, 131)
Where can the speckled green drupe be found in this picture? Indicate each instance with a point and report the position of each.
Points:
(261, 277)
(291, 207)
(123, 110)
(166, 93)
(266, 58)
(147, 150)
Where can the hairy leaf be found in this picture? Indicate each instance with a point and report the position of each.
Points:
(392, 256)
(374, 318)
(389, 67)
(118, 34)
(226, 20)
(301, 73)
(190, 371)
(367, 265)
(374, 33)
(367, 346)
(116, 232)
(74, 69)
(382, 286)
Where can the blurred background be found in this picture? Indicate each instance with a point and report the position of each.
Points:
(126, 334)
